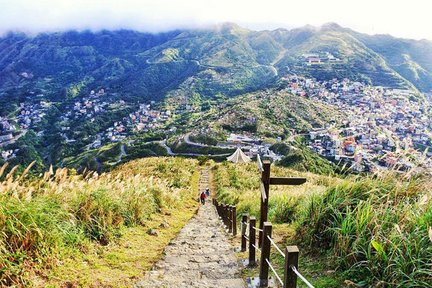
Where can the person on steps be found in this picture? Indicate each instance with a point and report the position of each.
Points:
(207, 192)
(203, 196)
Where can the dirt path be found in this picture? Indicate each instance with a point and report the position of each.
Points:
(200, 256)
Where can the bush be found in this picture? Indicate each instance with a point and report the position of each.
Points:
(283, 209)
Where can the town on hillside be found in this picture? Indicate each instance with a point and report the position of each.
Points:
(383, 128)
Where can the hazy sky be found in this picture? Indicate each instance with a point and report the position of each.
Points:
(408, 19)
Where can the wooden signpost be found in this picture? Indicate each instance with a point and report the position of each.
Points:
(266, 181)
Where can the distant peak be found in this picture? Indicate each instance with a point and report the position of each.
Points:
(230, 27)
(331, 26)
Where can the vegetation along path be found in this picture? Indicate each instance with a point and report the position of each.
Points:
(200, 256)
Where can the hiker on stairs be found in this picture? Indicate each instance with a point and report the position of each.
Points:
(203, 196)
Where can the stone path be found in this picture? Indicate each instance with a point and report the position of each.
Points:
(200, 256)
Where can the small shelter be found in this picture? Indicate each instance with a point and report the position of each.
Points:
(239, 157)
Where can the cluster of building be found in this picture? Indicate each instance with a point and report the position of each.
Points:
(251, 145)
(319, 58)
(30, 114)
(144, 119)
(87, 107)
(383, 127)
(9, 154)
(6, 130)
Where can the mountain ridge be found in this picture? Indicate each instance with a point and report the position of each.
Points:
(227, 42)
(118, 71)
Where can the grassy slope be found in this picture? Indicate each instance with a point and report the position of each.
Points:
(270, 112)
(66, 229)
(372, 230)
(122, 264)
(238, 184)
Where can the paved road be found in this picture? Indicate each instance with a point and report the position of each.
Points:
(200, 256)
(188, 141)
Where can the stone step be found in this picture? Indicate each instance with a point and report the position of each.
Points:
(200, 256)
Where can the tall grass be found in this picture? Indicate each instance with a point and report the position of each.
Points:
(239, 185)
(378, 229)
(42, 217)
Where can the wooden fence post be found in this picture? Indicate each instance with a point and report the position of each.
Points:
(252, 240)
(265, 254)
(229, 216)
(291, 259)
(265, 178)
(225, 214)
(234, 220)
(223, 207)
(243, 226)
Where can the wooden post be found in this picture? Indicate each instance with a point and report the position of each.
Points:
(229, 218)
(265, 178)
(225, 213)
(291, 259)
(252, 240)
(234, 220)
(243, 232)
(223, 208)
(265, 254)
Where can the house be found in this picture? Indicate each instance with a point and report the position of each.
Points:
(313, 60)
(7, 137)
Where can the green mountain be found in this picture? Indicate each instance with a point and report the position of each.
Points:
(202, 68)
(228, 59)
(353, 55)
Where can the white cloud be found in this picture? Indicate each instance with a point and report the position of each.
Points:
(408, 19)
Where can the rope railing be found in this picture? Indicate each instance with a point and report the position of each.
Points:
(277, 248)
(257, 229)
(290, 255)
(259, 249)
(259, 162)
(274, 272)
(294, 269)
(249, 233)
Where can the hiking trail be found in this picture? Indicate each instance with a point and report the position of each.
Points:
(200, 255)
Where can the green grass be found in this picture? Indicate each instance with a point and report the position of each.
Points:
(44, 220)
(377, 228)
(372, 231)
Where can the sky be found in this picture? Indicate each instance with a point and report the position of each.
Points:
(407, 19)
